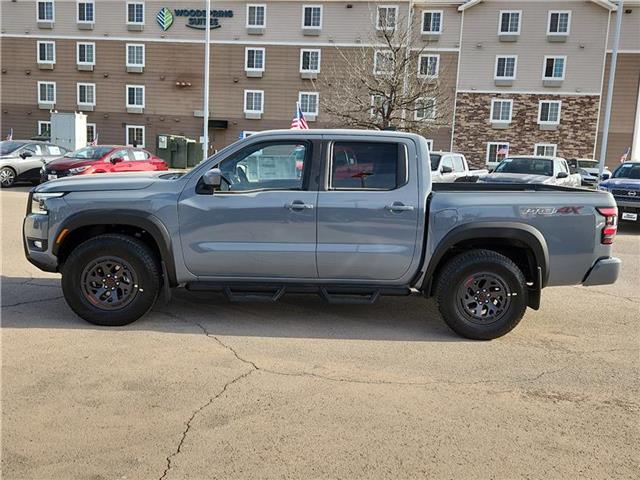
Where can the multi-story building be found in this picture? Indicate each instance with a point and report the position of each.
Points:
(527, 76)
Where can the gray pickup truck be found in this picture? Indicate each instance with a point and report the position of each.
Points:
(349, 215)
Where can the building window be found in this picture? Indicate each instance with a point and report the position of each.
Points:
(549, 112)
(382, 62)
(135, 96)
(545, 149)
(309, 61)
(428, 65)
(46, 52)
(497, 151)
(378, 106)
(425, 109)
(46, 92)
(559, 23)
(91, 132)
(312, 16)
(510, 22)
(86, 12)
(86, 53)
(432, 22)
(135, 135)
(308, 102)
(46, 11)
(256, 15)
(501, 111)
(554, 68)
(135, 13)
(135, 55)
(253, 101)
(87, 94)
(44, 128)
(386, 17)
(254, 59)
(506, 67)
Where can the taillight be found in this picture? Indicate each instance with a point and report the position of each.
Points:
(610, 228)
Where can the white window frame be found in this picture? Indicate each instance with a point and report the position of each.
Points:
(40, 125)
(375, 62)
(432, 32)
(89, 22)
(515, 68)
(519, 12)
(549, 32)
(246, 59)
(315, 94)
(549, 122)
(95, 131)
(501, 100)
(564, 66)
(435, 109)
(78, 62)
(49, 62)
(262, 5)
(244, 101)
(144, 135)
(545, 145)
(54, 92)
(53, 11)
(127, 96)
(85, 84)
(489, 144)
(311, 50)
(386, 7)
(126, 12)
(437, 56)
(127, 62)
(304, 7)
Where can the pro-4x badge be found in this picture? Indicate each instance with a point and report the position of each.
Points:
(164, 18)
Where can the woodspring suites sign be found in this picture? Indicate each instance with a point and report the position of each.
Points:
(195, 18)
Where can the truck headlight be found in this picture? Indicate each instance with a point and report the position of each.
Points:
(39, 202)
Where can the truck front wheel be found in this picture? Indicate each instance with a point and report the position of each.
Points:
(111, 280)
(481, 294)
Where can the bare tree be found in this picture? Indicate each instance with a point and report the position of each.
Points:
(387, 83)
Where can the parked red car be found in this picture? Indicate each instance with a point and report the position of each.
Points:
(102, 159)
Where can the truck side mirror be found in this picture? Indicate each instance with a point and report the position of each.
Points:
(214, 178)
(445, 169)
(562, 175)
(26, 154)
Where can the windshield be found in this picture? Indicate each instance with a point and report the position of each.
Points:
(587, 164)
(435, 160)
(527, 166)
(628, 170)
(89, 153)
(9, 146)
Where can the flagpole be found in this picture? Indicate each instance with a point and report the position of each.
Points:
(207, 58)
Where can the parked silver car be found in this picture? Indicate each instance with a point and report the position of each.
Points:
(533, 169)
(21, 160)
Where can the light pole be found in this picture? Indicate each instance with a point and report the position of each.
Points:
(207, 56)
(612, 77)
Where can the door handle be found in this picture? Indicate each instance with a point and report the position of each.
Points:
(399, 207)
(298, 205)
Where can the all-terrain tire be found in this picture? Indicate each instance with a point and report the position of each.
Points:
(466, 305)
(140, 264)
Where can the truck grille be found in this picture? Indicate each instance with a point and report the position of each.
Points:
(627, 194)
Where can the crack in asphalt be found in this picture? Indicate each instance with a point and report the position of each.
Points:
(195, 413)
(38, 300)
(620, 297)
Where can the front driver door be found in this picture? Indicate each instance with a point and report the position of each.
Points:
(260, 224)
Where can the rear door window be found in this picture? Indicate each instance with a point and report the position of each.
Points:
(367, 166)
(447, 162)
(458, 164)
(139, 155)
(54, 150)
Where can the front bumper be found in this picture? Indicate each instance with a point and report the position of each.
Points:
(604, 272)
(37, 249)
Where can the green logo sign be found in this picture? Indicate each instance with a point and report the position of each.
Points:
(164, 18)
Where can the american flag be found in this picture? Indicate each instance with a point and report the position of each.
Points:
(10, 136)
(625, 155)
(298, 122)
(94, 142)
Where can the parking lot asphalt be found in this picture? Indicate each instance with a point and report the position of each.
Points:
(201, 388)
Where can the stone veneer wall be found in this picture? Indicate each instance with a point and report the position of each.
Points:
(575, 136)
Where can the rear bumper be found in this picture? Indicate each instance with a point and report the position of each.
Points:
(604, 272)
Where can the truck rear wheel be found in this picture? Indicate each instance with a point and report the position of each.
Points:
(111, 280)
(481, 294)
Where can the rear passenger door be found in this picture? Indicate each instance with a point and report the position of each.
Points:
(368, 210)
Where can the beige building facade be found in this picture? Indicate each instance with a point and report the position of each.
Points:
(525, 76)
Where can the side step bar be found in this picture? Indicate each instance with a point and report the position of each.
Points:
(266, 292)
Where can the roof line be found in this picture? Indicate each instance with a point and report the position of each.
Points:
(608, 4)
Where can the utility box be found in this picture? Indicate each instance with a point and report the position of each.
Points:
(69, 130)
(178, 151)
